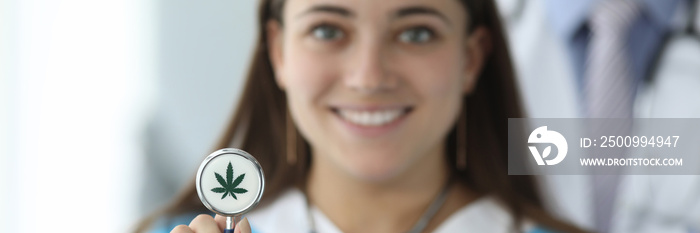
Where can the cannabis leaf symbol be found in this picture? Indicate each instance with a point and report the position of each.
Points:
(229, 186)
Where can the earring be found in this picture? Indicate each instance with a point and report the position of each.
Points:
(291, 140)
(461, 139)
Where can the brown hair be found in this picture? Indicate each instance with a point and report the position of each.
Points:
(494, 100)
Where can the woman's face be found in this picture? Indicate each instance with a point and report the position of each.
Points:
(374, 86)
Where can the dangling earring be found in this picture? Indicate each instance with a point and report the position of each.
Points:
(291, 140)
(461, 139)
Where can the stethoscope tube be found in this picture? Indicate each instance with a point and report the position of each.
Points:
(231, 223)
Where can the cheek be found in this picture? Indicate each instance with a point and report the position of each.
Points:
(438, 79)
(307, 74)
(438, 76)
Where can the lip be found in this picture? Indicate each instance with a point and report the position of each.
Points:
(371, 131)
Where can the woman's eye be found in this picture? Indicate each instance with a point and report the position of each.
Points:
(416, 35)
(327, 32)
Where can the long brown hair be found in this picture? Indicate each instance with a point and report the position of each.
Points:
(259, 127)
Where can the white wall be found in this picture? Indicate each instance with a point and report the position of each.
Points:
(203, 52)
(77, 83)
(107, 107)
(6, 92)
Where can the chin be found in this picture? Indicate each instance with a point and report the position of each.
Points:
(376, 168)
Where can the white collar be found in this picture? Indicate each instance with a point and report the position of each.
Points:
(288, 214)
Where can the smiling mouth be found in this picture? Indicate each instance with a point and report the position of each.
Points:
(376, 117)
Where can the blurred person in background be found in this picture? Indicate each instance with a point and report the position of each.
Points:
(612, 59)
(367, 115)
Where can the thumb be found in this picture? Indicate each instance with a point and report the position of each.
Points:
(243, 226)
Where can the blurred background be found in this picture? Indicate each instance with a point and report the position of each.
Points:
(107, 107)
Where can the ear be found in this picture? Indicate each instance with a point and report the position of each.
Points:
(478, 48)
(274, 49)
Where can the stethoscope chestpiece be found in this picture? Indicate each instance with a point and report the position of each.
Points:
(230, 182)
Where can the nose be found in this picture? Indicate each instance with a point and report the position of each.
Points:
(369, 72)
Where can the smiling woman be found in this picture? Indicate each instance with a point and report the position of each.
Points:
(378, 116)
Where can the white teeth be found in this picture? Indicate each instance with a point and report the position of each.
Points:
(373, 118)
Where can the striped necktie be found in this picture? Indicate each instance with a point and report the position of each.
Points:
(609, 88)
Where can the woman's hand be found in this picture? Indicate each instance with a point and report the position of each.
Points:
(204, 223)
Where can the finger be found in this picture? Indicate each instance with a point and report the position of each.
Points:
(204, 223)
(182, 229)
(221, 222)
(243, 226)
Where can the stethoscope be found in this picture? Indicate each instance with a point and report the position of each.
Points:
(230, 182)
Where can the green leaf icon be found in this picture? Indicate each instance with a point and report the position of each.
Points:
(229, 186)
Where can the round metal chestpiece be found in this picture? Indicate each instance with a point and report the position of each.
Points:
(230, 182)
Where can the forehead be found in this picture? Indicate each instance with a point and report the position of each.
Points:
(378, 9)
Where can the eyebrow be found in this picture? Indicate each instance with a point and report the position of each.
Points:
(328, 9)
(402, 12)
(420, 10)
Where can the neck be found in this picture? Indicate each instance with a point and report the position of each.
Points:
(392, 205)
